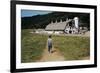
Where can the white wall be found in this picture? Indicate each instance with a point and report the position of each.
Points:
(49, 32)
(5, 36)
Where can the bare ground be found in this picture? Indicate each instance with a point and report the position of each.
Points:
(55, 55)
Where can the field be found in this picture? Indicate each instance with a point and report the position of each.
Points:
(71, 47)
(32, 46)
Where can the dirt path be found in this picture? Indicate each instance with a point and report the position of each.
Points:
(54, 56)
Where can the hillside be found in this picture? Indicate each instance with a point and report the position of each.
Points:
(41, 21)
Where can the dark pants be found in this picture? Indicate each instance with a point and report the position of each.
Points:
(49, 48)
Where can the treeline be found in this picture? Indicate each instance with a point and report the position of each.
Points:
(41, 21)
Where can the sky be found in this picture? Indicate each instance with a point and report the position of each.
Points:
(27, 13)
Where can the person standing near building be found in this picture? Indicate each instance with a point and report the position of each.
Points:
(49, 44)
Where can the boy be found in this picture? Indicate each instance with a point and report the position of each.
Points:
(49, 42)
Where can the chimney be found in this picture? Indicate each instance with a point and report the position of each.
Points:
(51, 22)
(66, 19)
(60, 20)
(56, 21)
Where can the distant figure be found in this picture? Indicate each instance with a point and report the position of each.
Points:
(49, 43)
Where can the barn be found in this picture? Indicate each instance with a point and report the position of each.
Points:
(70, 26)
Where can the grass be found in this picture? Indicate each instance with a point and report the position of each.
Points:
(32, 46)
(71, 47)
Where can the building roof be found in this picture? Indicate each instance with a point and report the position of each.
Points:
(57, 25)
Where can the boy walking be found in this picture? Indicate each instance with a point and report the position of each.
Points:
(49, 42)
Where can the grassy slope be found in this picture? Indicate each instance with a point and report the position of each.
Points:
(73, 48)
(32, 46)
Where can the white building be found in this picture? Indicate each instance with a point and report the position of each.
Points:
(70, 26)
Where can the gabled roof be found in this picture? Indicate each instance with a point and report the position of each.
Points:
(57, 25)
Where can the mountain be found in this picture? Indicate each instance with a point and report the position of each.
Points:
(41, 21)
